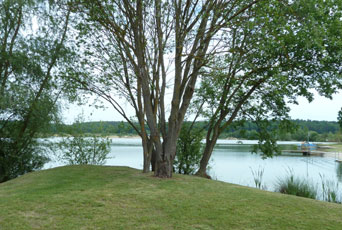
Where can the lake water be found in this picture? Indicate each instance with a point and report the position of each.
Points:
(232, 162)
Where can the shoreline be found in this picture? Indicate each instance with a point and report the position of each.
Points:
(335, 155)
(123, 136)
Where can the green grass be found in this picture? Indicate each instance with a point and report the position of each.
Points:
(99, 197)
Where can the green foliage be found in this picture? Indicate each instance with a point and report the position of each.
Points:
(78, 149)
(339, 118)
(321, 130)
(276, 52)
(267, 140)
(189, 147)
(17, 159)
(300, 133)
(296, 186)
(32, 56)
(119, 128)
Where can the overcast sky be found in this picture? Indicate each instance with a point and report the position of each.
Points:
(320, 109)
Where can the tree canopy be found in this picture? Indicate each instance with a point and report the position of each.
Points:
(272, 56)
(32, 54)
(237, 59)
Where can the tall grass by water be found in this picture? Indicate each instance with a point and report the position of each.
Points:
(330, 190)
(327, 190)
(258, 175)
(296, 186)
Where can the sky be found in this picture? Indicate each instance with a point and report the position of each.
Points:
(320, 109)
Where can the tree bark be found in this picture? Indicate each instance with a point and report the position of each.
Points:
(147, 153)
(208, 150)
(153, 160)
(164, 167)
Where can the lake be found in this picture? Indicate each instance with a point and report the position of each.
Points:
(232, 162)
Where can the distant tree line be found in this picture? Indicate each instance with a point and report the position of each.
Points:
(304, 130)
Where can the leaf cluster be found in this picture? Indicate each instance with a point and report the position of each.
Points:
(189, 149)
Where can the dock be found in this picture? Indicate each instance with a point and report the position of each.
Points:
(306, 152)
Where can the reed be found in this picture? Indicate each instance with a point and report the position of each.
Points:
(330, 190)
(258, 177)
(295, 186)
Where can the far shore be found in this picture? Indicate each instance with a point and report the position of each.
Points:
(137, 136)
(330, 150)
(123, 136)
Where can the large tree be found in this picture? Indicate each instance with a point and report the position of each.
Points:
(277, 52)
(268, 51)
(32, 54)
(132, 44)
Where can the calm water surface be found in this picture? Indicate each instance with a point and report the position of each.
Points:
(232, 162)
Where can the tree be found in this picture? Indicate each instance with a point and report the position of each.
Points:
(30, 61)
(131, 45)
(268, 46)
(279, 50)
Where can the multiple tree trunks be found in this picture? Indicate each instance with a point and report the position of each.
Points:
(251, 51)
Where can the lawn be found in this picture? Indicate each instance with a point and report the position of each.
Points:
(104, 197)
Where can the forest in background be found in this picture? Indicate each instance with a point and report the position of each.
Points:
(304, 130)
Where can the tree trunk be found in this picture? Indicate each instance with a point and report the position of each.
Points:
(163, 168)
(208, 150)
(153, 160)
(164, 159)
(148, 152)
(202, 171)
(147, 162)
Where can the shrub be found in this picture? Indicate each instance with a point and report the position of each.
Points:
(188, 153)
(295, 186)
(78, 149)
(17, 159)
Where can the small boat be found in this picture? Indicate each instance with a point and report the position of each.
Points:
(307, 147)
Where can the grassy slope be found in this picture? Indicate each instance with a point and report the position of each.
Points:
(98, 197)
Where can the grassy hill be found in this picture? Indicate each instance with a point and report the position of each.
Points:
(99, 197)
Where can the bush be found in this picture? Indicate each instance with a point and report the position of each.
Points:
(18, 158)
(78, 149)
(188, 153)
(295, 186)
